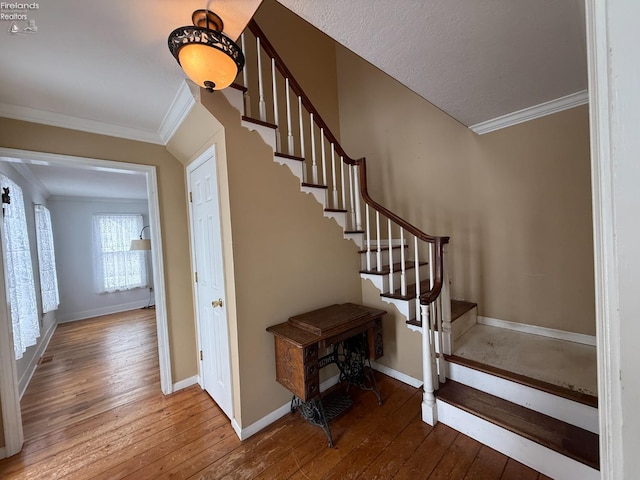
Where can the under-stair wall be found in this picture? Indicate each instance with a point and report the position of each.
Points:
(287, 257)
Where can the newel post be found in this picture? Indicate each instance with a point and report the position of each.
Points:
(429, 407)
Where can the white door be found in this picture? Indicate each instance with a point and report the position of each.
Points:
(215, 363)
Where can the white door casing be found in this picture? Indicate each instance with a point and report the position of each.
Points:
(208, 262)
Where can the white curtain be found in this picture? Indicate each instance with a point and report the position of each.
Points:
(21, 287)
(46, 260)
(116, 267)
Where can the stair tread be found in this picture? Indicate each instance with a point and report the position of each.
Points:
(313, 185)
(385, 248)
(237, 86)
(353, 231)
(290, 157)
(259, 122)
(460, 307)
(564, 438)
(396, 268)
(551, 388)
(411, 291)
(339, 210)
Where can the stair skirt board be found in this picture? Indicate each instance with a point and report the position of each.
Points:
(568, 411)
(528, 452)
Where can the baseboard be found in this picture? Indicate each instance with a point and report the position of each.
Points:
(530, 453)
(402, 377)
(24, 381)
(244, 433)
(3, 452)
(542, 331)
(187, 382)
(98, 312)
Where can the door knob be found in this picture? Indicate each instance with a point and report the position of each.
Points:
(216, 303)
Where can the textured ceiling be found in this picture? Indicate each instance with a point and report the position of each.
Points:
(476, 60)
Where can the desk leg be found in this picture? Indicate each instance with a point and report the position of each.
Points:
(313, 412)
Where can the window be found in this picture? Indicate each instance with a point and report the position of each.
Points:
(46, 260)
(20, 285)
(117, 267)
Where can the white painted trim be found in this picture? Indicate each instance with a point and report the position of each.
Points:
(244, 433)
(531, 113)
(25, 380)
(28, 114)
(98, 312)
(180, 107)
(542, 331)
(187, 382)
(532, 454)
(31, 178)
(575, 413)
(402, 377)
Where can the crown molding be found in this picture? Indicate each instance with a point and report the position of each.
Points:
(531, 113)
(28, 175)
(186, 97)
(34, 115)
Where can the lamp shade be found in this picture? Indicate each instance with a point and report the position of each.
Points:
(208, 57)
(141, 244)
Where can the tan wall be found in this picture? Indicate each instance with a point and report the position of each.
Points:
(173, 216)
(516, 203)
(288, 258)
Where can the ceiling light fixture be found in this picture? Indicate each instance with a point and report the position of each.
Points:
(208, 57)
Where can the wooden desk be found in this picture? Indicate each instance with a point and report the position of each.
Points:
(298, 341)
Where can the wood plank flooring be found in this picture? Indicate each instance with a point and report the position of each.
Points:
(94, 410)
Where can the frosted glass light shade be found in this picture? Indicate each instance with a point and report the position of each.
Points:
(203, 63)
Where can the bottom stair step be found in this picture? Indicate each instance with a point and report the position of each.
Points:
(563, 438)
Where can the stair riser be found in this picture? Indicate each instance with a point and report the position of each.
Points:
(384, 254)
(568, 411)
(407, 308)
(464, 323)
(532, 454)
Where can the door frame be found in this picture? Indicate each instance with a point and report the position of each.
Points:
(199, 161)
(12, 419)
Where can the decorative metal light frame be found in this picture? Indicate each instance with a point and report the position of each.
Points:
(207, 31)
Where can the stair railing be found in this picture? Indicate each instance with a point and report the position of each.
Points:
(283, 104)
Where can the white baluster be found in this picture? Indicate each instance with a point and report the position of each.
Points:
(289, 134)
(445, 300)
(403, 270)
(429, 407)
(245, 83)
(261, 103)
(416, 266)
(324, 160)
(357, 196)
(314, 166)
(368, 234)
(276, 116)
(432, 322)
(344, 198)
(302, 153)
(391, 286)
(352, 190)
(379, 249)
(333, 177)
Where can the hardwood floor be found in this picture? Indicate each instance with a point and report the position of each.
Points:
(94, 410)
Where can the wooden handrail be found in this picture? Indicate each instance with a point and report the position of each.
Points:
(438, 242)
